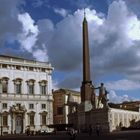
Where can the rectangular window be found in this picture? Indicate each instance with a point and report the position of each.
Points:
(31, 89)
(43, 119)
(43, 89)
(31, 68)
(4, 105)
(31, 106)
(18, 88)
(31, 120)
(4, 66)
(43, 106)
(60, 110)
(43, 69)
(4, 87)
(5, 120)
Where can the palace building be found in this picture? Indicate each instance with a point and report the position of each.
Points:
(25, 95)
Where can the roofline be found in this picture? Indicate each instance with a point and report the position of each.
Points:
(17, 57)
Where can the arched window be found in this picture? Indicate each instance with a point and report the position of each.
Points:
(43, 87)
(18, 84)
(30, 84)
(4, 85)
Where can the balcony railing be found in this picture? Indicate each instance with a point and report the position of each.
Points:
(25, 97)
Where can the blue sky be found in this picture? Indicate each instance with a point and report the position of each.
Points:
(51, 30)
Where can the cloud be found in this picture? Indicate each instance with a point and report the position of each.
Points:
(9, 25)
(123, 84)
(73, 79)
(62, 12)
(19, 34)
(39, 3)
(28, 36)
(81, 3)
(65, 47)
(113, 97)
(114, 41)
(134, 5)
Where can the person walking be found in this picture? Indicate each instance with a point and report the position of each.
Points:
(98, 130)
(72, 134)
(90, 130)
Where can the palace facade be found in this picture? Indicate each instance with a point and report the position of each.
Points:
(25, 95)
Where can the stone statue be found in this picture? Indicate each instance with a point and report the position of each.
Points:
(102, 98)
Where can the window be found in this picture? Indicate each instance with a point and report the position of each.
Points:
(30, 84)
(4, 66)
(4, 85)
(18, 84)
(5, 120)
(31, 68)
(31, 106)
(18, 89)
(43, 106)
(31, 119)
(31, 89)
(4, 105)
(43, 87)
(43, 119)
(60, 110)
(43, 69)
(18, 67)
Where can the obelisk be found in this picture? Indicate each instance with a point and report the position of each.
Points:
(87, 87)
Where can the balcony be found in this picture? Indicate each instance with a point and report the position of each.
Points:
(26, 97)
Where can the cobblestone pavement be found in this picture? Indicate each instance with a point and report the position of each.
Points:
(124, 135)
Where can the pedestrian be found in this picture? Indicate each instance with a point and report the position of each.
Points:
(72, 134)
(98, 129)
(28, 131)
(90, 130)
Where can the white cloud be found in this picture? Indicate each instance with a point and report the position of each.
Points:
(134, 28)
(112, 39)
(28, 37)
(113, 97)
(61, 11)
(123, 84)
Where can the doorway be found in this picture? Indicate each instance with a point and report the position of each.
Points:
(19, 124)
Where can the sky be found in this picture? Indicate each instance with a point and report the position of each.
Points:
(51, 30)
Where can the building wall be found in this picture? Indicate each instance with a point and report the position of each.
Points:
(120, 118)
(108, 119)
(60, 97)
(17, 68)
